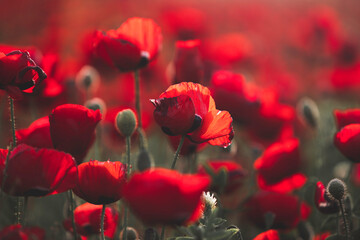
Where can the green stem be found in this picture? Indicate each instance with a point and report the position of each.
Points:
(143, 144)
(162, 233)
(341, 203)
(178, 151)
(102, 222)
(128, 147)
(12, 121)
(72, 208)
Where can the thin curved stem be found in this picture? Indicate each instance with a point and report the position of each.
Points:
(72, 208)
(102, 222)
(341, 203)
(176, 156)
(128, 168)
(143, 143)
(12, 121)
(162, 233)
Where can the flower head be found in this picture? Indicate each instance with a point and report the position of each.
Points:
(188, 108)
(19, 73)
(100, 182)
(171, 198)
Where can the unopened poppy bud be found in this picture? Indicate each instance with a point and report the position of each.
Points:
(151, 234)
(131, 234)
(88, 78)
(126, 122)
(95, 104)
(336, 190)
(308, 112)
(144, 161)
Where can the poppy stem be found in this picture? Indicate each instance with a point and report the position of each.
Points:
(138, 111)
(162, 233)
(72, 208)
(128, 169)
(176, 156)
(102, 222)
(12, 121)
(341, 203)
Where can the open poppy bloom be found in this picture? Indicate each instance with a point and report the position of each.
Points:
(37, 134)
(133, 45)
(280, 164)
(171, 198)
(287, 209)
(72, 129)
(188, 63)
(188, 109)
(19, 73)
(346, 117)
(347, 141)
(268, 235)
(18, 232)
(100, 182)
(234, 172)
(322, 202)
(36, 172)
(87, 220)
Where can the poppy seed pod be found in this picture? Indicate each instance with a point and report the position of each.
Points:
(336, 189)
(126, 122)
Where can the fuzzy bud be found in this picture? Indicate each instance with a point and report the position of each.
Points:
(88, 78)
(336, 190)
(126, 122)
(95, 104)
(144, 161)
(308, 112)
(131, 233)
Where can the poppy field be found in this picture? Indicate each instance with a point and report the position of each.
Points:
(181, 120)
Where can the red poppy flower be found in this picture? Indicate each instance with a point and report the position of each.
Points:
(187, 63)
(322, 236)
(231, 93)
(285, 217)
(133, 45)
(346, 117)
(36, 172)
(193, 26)
(228, 49)
(37, 134)
(18, 232)
(171, 198)
(268, 235)
(322, 202)
(72, 129)
(100, 182)
(188, 108)
(19, 73)
(87, 220)
(346, 78)
(285, 185)
(235, 174)
(280, 161)
(347, 141)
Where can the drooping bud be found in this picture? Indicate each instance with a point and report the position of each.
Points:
(88, 78)
(95, 104)
(336, 190)
(144, 161)
(151, 234)
(308, 112)
(131, 233)
(126, 122)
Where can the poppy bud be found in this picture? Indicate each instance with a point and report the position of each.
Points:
(126, 122)
(336, 189)
(151, 234)
(87, 78)
(144, 161)
(132, 234)
(308, 112)
(95, 104)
